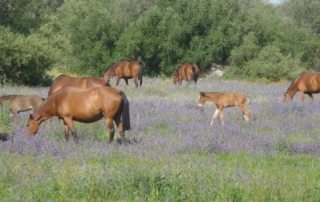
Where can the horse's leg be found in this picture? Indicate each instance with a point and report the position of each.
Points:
(66, 131)
(68, 121)
(246, 112)
(109, 125)
(136, 81)
(302, 95)
(214, 116)
(311, 96)
(221, 116)
(118, 79)
(126, 80)
(14, 115)
(121, 130)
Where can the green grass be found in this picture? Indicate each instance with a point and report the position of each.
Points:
(189, 177)
(5, 119)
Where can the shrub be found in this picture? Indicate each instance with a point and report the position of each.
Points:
(23, 60)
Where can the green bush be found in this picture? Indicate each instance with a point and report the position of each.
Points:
(270, 65)
(24, 59)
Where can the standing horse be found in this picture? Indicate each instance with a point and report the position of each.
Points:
(226, 99)
(84, 105)
(21, 103)
(307, 82)
(132, 69)
(188, 72)
(77, 82)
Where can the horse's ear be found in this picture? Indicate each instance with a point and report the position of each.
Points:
(31, 117)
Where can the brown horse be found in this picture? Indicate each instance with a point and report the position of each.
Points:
(188, 72)
(125, 69)
(84, 105)
(226, 99)
(77, 82)
(307, 82)
(21, 103)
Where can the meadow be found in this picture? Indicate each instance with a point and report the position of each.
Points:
(174, 154)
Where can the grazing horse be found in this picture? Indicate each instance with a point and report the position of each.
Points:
(77, 82)
(188, 72)
(84, 105)
(225, 99)
(307, 82)
(125, 69)
(21, 103)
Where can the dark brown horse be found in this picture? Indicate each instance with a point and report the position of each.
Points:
(20, 103)
(132, 69)
(188, 72)
(84, 105)
(223, 100)
(307, 82)
(77, 82)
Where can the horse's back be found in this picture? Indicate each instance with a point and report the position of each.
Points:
(78, 82)
(308, 81)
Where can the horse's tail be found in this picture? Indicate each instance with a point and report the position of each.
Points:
(140, 74)
(125, 114)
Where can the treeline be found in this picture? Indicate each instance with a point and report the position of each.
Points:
(255, 39)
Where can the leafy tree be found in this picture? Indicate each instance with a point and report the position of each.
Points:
(23, 60)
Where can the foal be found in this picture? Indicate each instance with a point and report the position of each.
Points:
(21, 103)
(222, 100)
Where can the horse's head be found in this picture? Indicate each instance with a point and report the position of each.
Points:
(33, 125)
(175, 78)
(287, 97)
(202, 99)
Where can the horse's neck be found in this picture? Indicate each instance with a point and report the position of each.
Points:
(46, 110)
(292, 88)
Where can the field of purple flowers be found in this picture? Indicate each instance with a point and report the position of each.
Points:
(174, 154)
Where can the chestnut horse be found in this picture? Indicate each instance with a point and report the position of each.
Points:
(84, 105)
(188, 72)
(125, 69)
(78, 82)
(225, 99)
(307, 82)
(21, 103)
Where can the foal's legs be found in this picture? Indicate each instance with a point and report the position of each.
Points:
(221, 117)
(109, 125)
(246, 112)
(126, 80)
(214, 116)
(14, 115)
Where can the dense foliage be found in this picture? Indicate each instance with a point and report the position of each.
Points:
(256, 39)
